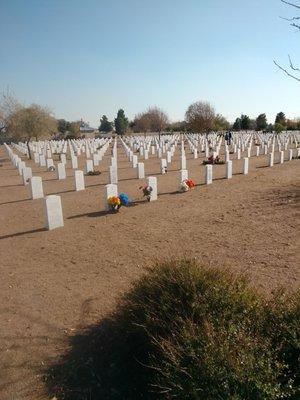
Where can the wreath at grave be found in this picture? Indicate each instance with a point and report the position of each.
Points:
(187, 185)
(51, 168)
(213, 160)
(116, 202)
(146, 190)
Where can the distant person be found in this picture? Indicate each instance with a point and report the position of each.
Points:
(228, 137)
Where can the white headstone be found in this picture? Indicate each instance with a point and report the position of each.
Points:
(63, 158)
(183, 161)
(27, 175)
(74, 162)
(134, 161)
(227, 157)
(246, 166)
(271, 159)
(257, 150)
(229, 169)
(96, 159)
(208, 174)
(163, 165)
(152, 181)
(113, 175)
(281, 157)
(42, 161)
(54, 215)
(61, 171)
(141, 171)
(169, 157)
(79, 180)
(36, 158)
(49, 163)
(36, 187)
(21, 166)
(110, 190)
(89, 166)
(290, 154)
(183, 175)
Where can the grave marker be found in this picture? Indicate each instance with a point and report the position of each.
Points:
(79, 180)
(36, 187)
(141, 171)
(110, 190)
(246, 166)
(54, 215)
(61, 171)
(208, 174)
(152, 181)
(229, 169)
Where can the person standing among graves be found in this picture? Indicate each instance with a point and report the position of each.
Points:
(228, 137)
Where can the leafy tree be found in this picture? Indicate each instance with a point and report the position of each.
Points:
(75, 128)
(261, 122)
(291, 125)
(245, 122)
(278, 127)
(33, 121)
(63, 125)
(280, 118)
(105, 125)
(237, 124)
(221, 123)
(200, 116)
(121, 123)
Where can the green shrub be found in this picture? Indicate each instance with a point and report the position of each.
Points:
(187, 332)
(206, 335)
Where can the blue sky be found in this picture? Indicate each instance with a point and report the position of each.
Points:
(88, 58)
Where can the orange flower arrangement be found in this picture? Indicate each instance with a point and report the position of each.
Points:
(190, 183)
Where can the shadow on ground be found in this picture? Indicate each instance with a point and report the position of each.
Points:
(100, 364)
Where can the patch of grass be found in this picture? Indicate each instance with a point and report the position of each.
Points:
(187, 332)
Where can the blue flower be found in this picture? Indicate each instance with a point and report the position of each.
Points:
(124, 199)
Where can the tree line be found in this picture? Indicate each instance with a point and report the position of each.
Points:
(199, 117)
(24, 122)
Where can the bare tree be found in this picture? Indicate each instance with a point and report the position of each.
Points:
(200, 116)
(154, 120)
(291, 70)
(142, 123)
(8, 105)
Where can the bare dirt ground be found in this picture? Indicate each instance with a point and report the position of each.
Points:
(55, 283)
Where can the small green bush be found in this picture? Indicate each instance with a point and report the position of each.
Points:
(206, 335)
(190, 333)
